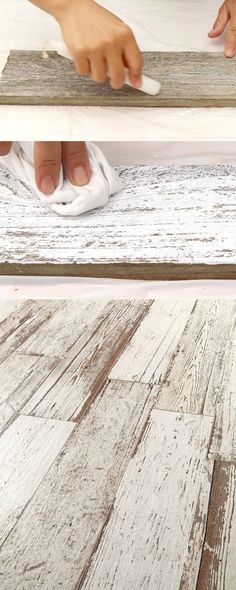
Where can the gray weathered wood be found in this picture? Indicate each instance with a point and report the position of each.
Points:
(27, 450)
(61, 526)
(188, 79)
(168, 223)
(145, 544)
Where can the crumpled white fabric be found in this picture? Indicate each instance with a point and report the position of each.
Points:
(67, 199)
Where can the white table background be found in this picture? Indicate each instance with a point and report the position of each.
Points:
(160, 25)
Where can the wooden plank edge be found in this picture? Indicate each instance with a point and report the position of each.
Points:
(124, 270)
(126, 102)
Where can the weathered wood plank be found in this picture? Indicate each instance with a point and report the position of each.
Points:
(148, 354)
(27, 450)
(145, 542)
(70, 508)
(72, 385)
(220, 398)
(20, 377)
(8, 306)
(155, 228)
(193, 559)
(199, 365)
(218, 565)
(20, 325)
(64, 328)
(188, 79)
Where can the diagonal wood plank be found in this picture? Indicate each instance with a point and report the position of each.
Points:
(65, 326)
(221, 399)
(199, 365)
(20, 377)
(145, 543)
(189, 79)
(193, 558)
(19, 326)
(218, 565)
(75, 499)
(27, 450)
(8, 306)
(73, 384)
(150, 350)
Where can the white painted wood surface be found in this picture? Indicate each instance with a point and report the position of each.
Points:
(27, 451)
(68, 323)
(73, 384)
(136, 496)
(145, 543)
(20, 377)
(148, 354)
(199, 365)
(76, 496)
(164, 214)
(191, 567)
(19, 326)
(221, 398)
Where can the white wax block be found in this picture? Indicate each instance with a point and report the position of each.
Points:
(148, 85)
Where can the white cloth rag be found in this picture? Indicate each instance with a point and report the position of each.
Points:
(67, 199)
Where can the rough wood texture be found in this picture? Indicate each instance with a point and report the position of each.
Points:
(71, 387)
(198, 368)
(77, 494)
(138, 548)
(188, 79)
(218, 565)
(147, 356)
(27, 450)
(122, 494)
(168, 223)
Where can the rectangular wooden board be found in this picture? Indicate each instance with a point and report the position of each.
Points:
(168, 223)
(188, 79)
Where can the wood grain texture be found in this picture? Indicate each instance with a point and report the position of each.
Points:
(198, 369)
(149, 352)
(69, 323)
(20, 377)
(27, 450)
(188, 79)
(191, 567)
(220, 399)
(75, 499)
(218, 565)
(140, 547)
(71, 387)
(20, 325)
(173, 222)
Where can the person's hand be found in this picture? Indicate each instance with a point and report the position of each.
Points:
(48, 158)
(100, 44)
(226, 20)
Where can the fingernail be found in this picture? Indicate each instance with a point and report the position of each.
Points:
(80, 176)
(229, 52)
(136, 81)
(47, 185)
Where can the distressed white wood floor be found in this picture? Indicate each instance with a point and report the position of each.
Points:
(117, 444)
(165, 214)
